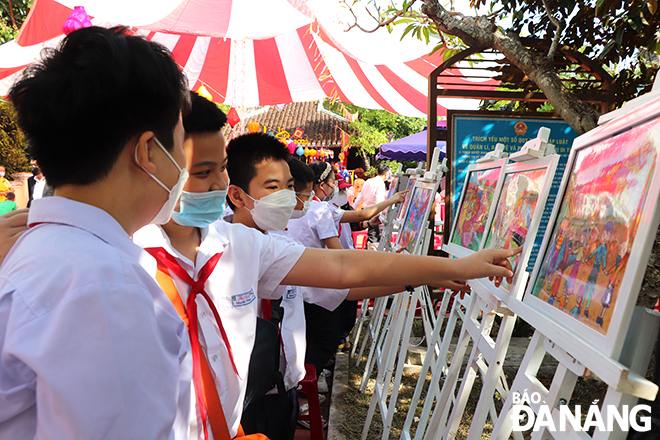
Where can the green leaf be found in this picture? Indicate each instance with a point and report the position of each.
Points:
(437, 48)
(448, 54)
(408, 29)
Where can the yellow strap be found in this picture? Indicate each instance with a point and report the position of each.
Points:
(216, 415)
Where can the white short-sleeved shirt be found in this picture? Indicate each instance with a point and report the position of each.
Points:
(252, 266)
(315, 226)
(90, 346)
(345, 234)
(293, 324)
(373, 192)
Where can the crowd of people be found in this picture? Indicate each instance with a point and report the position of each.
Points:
(133, 303)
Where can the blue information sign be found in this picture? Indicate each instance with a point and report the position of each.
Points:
(473, 134)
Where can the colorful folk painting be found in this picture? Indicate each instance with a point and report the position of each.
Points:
(473, 212)
(417, 214)
(406, 203)
(514, 211)
(586, 257)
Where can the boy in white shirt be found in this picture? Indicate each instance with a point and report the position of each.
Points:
(90, 347)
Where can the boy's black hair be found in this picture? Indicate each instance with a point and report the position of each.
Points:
(85, 100)
(245, 152)
(204, 116)
(10, 196)
(302, 174)
(320, 171)
(383, 168)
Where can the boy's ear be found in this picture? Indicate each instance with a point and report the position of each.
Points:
(237, 196)
(143, 153)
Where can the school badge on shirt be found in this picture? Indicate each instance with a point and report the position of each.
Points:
(243, 299)
(291, 292)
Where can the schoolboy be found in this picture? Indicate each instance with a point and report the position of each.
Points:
(260, 196)
(90, 347)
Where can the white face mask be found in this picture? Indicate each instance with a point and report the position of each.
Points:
(166, 210)
(340, 199)
(2, 174)
(272, 212)
(333, 194)
(306, 204)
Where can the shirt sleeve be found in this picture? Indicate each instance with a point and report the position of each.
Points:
(329, 299)
(96, 366)
(324, 223)
(277, 257)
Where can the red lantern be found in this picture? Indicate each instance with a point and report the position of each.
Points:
(232, 117)
(292, 147)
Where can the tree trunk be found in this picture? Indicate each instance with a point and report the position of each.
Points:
(479, 32)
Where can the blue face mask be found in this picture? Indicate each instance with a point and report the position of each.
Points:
(200, 209)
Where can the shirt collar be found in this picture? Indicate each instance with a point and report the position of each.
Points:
(63, 211)
(155, 236)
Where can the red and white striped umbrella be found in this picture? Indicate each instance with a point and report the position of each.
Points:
(249, 53)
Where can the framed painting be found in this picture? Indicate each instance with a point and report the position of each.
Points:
(603, 225)
(482, 182)
(390, 193)
(421, 200)
(515, 219)
(406, 203)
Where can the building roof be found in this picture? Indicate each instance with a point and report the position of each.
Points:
(321, 128)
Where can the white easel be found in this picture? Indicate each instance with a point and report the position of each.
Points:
(378, 310)
(436, 360)
(396, 339)
(373, 337)
(487, 355)
(624, 378)
(374, 334)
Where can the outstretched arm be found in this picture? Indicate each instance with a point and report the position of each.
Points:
(370, 211)
(349, 269)
(375, 292)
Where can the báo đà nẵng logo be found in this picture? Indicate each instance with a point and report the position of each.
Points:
(524, 418)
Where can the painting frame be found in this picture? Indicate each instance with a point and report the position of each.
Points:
(455, 249)
(410, 186)
(516, 289)
(402, 241)
(621, 303)
(390, 192)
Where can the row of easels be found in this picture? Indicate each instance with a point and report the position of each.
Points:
(484, 353)
(387, 349)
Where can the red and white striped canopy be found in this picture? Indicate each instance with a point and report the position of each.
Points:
(253, 53)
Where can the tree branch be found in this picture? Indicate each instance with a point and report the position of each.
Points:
(479, 32)
(379, 23)
(11, 12)
(560, 25)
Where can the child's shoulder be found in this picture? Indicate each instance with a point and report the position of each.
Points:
(234, 232)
